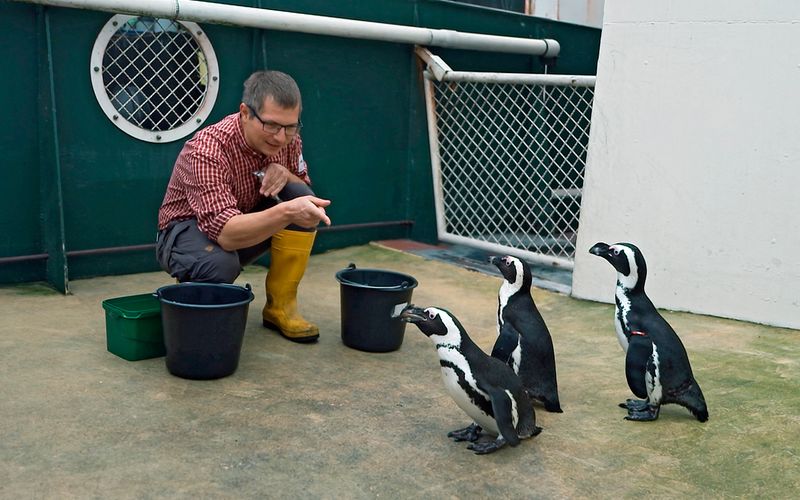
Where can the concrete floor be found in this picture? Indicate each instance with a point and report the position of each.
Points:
(327, 421)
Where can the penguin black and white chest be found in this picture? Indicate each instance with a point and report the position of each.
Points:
(484, 387)
(523, 339)
(656, 363)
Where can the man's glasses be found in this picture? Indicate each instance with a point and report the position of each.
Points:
(274, 128)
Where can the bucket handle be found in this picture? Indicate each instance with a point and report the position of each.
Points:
(246, 285)
(352, 265)
(349, 267)
(404, 284)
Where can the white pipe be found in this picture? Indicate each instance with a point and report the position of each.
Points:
(436, 161)
(208, 12)
(538, 258)
(519, 78)
(436, 64)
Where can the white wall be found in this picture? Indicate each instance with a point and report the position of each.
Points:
(694, 155)
(586, 12)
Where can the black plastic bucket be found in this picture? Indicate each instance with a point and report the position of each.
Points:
(371, 302)
(203, 327)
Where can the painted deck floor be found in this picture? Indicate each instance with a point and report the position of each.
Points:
(328, 421)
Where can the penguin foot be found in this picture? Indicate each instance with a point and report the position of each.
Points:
(487, 446)
(634, 404)
(648, 414)
(470, 433)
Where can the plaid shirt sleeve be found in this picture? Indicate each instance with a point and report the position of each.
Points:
(207, 182)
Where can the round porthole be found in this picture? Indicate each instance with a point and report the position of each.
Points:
(155, 79)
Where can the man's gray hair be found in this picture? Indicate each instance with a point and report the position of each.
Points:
(276, 84)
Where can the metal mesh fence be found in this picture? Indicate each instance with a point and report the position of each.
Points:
(511, 163)
(154, 73)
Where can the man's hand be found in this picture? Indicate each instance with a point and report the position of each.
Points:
(246, 230)
(276, 176)
(307, 211)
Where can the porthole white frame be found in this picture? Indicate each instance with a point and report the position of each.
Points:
(161, 136)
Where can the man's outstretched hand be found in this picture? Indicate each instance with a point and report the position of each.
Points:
(308, 211)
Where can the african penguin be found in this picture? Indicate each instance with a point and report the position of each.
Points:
(484, 387)
(656, 364)
(523, 340)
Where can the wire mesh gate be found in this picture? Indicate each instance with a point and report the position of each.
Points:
(508, 153)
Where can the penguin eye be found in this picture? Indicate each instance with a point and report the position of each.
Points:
(616, 251)
(507, 260)
(431, 313)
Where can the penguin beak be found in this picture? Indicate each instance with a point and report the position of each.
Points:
(413, 314)
(620, 262)
(498, 263)
(600, 249)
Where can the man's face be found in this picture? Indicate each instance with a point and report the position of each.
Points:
(253, 127)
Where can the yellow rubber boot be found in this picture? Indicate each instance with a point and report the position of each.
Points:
(289, 256)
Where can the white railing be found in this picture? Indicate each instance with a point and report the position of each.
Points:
(508, 153)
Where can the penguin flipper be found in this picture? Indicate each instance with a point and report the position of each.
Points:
(552, 405)
(640, 350)
(469, 433)
(694, 401)
(506, 342)
(639, 367)
(502, 408)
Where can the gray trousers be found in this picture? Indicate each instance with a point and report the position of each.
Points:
(187, 254)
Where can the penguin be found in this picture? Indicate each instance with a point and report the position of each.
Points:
(523, 340)
(656, 364)
(484, 387)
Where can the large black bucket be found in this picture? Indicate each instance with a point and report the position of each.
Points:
(371, 301)
(203, 327)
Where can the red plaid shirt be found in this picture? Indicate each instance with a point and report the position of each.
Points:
(213, 176)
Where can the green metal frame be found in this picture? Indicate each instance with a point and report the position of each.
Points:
(74, 183)
(57, 270)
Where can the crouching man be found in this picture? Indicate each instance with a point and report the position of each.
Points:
(240, 187)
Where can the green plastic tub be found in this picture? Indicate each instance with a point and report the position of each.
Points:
(133, 327)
